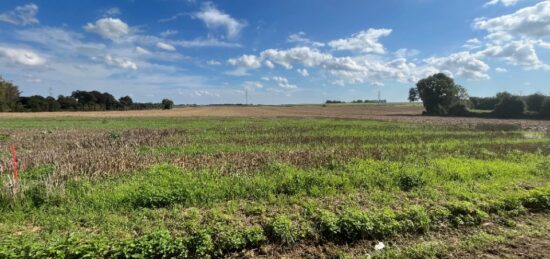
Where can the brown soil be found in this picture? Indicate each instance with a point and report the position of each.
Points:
(401, 113)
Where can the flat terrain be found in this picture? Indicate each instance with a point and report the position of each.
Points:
(386, 112)
(304, 181)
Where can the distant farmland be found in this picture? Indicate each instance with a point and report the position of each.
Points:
(273, 181)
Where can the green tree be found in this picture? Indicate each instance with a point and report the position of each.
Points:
(439, 93)
(413, 95)
(126, 101)
(534, 102)
(9, 96)
(167, 104)
(509, 106)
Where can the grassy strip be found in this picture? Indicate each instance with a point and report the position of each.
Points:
(214, 235)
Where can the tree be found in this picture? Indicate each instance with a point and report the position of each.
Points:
(534, 102)
(126, 101)
(9, 96)
(167, 104)
(439, 94)
(545, 109)
(413, 95)
(509, 106)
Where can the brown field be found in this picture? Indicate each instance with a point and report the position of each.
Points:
(387, 112)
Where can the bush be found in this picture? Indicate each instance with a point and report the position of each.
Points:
(409, 182)
(509, 106)
(545, 109)
(283, 230)
(535, 101)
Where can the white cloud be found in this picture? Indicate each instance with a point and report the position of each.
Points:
(501, 70)
(60, 41)
(472, 44)
(21, 15)
(463, 64)
(503, 2)
(215, 19)
(167, 33)
(532, 21)
(120, 62)
(111, 12)
(252, 85)
(303, 72)
(142, 51)
(301, 39)
(165, 46)
(109, 28)
(406, 53)
(283, 83)
(210, 42)
(205, 93)
(364, 41)
(21, 56)
(246, 61)
(519, 53)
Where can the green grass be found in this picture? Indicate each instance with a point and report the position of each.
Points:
(355, 180)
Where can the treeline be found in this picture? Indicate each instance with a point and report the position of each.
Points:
(11, 101)
(441, 96)
(356, 101)
(506, 105)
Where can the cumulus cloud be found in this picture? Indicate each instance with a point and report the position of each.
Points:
(21, 56)
(283, 83)
(515, 37)
(472, 44)
(532, 21)
(21, 15)
(519, 53)
(165, 46)
(120, 62)
(364, 41)
(252, 85)
(303, 72)
(503, 2)
(501, 70)
(216, 19)
(109, 28)
(246, 61)
(463, 64)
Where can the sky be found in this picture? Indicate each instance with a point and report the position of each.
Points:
(279, 52)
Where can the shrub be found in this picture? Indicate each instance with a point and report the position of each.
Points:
(534, 102)
(545, 109)
(408, 182)
(509, 106)
(283, 230)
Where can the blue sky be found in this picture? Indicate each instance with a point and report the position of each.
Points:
(282, 51)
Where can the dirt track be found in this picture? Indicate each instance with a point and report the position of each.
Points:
(403, 113)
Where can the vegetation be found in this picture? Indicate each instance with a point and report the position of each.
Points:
(173, 187)
(11, 101)
(439, 94)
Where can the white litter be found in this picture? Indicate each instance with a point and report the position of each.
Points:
(379, 246)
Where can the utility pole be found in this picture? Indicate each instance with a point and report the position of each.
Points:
(379, 97)
(246, 96)
(50, 91)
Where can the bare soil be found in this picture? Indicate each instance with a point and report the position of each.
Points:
(387, 112)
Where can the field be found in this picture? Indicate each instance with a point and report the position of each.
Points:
(298, 181)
